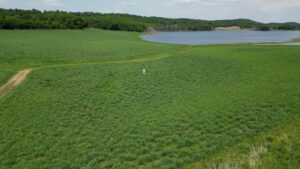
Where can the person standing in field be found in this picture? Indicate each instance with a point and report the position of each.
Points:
(144, 71)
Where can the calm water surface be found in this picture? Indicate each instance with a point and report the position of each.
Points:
(222, 37)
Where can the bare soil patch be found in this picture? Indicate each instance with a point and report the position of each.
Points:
(152, 31)
(13, 82)
(230, 28)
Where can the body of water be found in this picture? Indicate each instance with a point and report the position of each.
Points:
(222, 37)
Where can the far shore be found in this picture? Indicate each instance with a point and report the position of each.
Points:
(232, 28)
(153, 31)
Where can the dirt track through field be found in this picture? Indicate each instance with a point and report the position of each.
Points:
(22, 74)
(13, 82)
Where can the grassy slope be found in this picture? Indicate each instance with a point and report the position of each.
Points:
(21, 49)
(278, 148)
(188, 106)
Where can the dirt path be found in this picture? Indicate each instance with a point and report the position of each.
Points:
(13, 82)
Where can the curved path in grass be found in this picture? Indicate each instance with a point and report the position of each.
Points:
(14, 81)
(21, 75)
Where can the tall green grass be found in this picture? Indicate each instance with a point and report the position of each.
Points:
(187, 107)
(277, 148)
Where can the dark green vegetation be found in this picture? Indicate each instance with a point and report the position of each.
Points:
(286, 26)
(34, 19)
(89, 112)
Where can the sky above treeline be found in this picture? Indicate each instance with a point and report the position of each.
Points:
(259, 10)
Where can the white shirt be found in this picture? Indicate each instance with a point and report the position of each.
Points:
(144, 71)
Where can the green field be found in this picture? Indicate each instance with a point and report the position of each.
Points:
(87, 104)
(26, 48)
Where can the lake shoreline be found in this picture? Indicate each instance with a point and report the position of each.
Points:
(223, 37)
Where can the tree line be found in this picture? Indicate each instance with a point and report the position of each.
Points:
(35, 19)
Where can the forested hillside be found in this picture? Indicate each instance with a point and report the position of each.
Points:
(35, 19)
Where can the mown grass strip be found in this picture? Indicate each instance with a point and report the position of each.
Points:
(143, 58)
